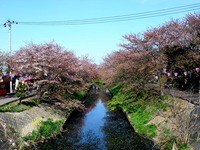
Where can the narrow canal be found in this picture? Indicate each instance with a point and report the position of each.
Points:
(97, 129)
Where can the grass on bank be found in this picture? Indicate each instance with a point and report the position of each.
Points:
(141, 108)
(78, 95)
(17, 107)
(47, 129)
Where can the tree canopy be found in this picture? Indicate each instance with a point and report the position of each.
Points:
(173, 47)
(57, 71)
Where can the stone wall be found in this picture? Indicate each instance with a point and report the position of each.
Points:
(26, 121)
(23, 123)
(195, 128)
(4, 141)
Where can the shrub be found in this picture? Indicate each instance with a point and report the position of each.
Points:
(48, 128)
(21, 90)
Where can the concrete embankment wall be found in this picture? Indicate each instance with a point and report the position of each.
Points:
(26, 121)
(187, 118)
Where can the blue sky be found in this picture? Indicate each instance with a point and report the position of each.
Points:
(94, 40)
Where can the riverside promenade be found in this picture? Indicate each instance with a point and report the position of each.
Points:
(4, 99)
(188, 96)
(193, 98)
(7, 99)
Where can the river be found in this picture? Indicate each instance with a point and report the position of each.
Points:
(97, 129)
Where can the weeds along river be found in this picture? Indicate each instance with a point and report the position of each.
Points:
(97, 129)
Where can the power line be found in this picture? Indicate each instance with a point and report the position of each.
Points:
(142, 15)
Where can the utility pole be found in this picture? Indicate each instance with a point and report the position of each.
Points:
(9, 24)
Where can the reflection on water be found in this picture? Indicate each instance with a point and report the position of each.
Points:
(92, 125)
(87, 134)
(97, 129)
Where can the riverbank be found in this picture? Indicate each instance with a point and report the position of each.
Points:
(168, 126)
(167, 118)
(29, 126)
(169, 121)
(17, 125)
(97, 128)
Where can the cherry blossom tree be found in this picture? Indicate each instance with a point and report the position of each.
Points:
(126, 67)
(88, 69)
(56, 69)
(146, 54)
(193, 28)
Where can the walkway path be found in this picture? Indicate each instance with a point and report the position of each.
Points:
(190, 97)
(7, 99)
(11, 97)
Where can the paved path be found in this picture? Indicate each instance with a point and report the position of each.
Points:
(11, 97)
(190, 97)
(7, 99)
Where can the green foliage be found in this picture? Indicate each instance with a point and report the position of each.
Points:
(98, 82)
(142, 112)
(116, 89)
(48, 128)
(168, 143)
(183, 147)
(34, 135)
(170, 140)
(166, 132)
(141, 107)
(21, 90)
(31, 103)
(116, 101)
(79, 95)
(15, 107)
(140, 119)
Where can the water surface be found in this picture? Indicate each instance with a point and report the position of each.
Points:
(97, 129)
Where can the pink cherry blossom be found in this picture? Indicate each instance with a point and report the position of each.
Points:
(168, 74)
(197, 69)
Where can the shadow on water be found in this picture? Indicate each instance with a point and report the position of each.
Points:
(97, 129)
